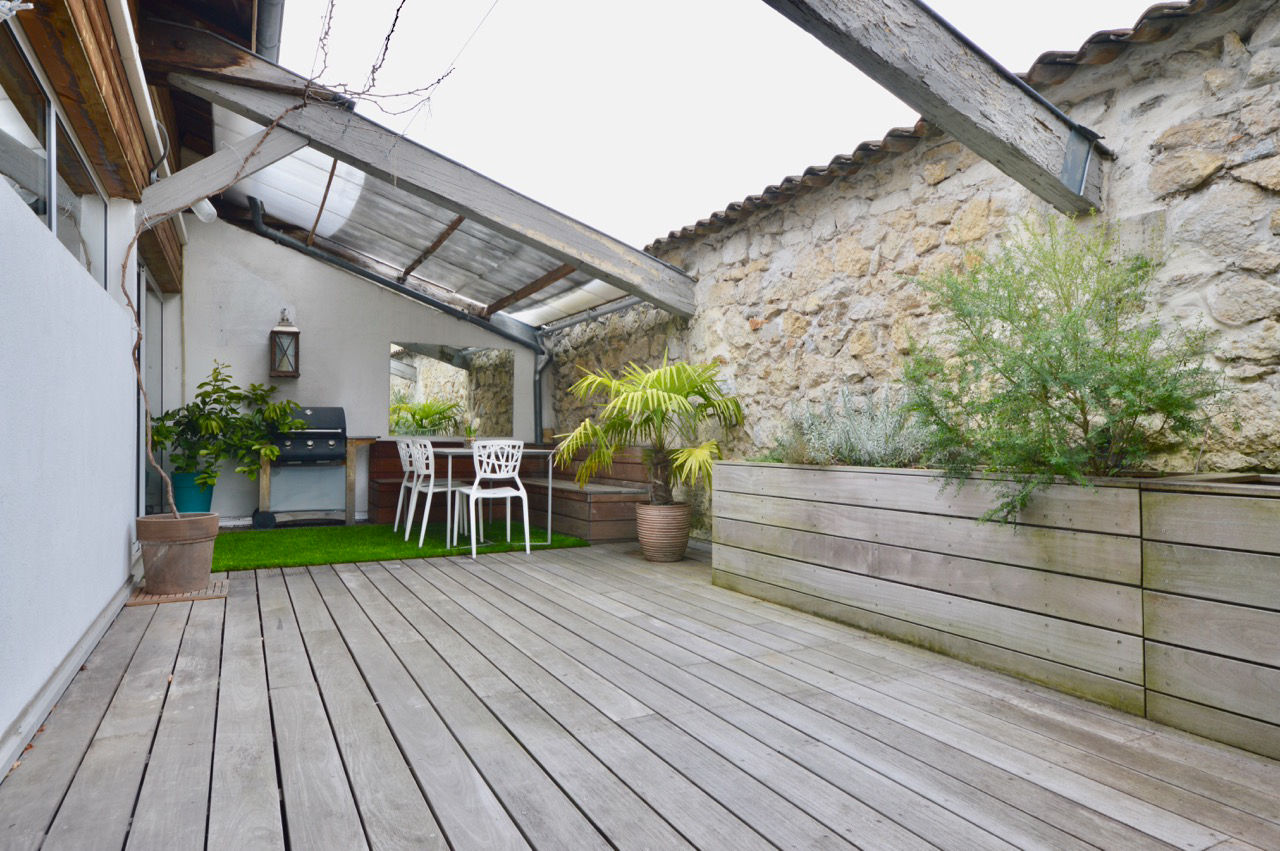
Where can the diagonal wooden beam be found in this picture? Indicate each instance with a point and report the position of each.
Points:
(556, 274)
(918, 56)
(432, 248)
(179, 191)
(227, 75)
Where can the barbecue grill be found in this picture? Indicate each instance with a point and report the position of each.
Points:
(302, 488)
(323, 442)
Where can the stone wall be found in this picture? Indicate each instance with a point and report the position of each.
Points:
(803, 299)
(489, 391)
(435, 380)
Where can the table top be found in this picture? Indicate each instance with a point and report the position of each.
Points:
(466, 450)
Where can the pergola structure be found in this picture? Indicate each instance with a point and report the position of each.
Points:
(294, 160)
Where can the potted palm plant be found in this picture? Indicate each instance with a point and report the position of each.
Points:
(661, 409)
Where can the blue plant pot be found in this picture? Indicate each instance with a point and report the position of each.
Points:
(189, 496)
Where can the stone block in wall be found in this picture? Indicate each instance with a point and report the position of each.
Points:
(1183, 170)
(1263, 172)
(1264, 68)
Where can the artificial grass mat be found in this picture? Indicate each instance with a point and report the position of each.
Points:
(305, 545)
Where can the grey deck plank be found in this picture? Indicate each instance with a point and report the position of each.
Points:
(544, 813)
(595, 700)
(1066, 808)
(549, 720)
(896, 812)
(1152, 778)
(320, 810)
(244, 797)
(173, 806)
(96, 810)
(638, 779)
(676, 696)
(32, 792)
(392, 807)
(468, 811)
(1008, 804)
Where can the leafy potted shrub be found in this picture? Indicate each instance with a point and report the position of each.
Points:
(662, 409)
(1049, 367)
(223, 422)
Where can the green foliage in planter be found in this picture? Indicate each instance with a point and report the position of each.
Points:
(223, 422)
(1050, 367)
(660, 408)
(877, 431)
(430, 416)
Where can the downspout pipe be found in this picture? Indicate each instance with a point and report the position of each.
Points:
(270, 15)
(540, 365)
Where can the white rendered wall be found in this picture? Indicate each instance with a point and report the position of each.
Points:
(235, 284)
(68, 423)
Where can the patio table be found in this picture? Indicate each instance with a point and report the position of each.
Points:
(451, 452)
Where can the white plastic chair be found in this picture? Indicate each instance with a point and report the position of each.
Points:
(422, 460)
(495, 461)
(406, 484)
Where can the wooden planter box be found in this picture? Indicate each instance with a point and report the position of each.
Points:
(1134, 594)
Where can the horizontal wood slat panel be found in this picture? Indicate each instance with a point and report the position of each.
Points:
(1256, 736)
(1233, 577)
(1235, 522)
(1249, 634)
(1110, 557)
(1105, 604)
(1113, 510)
(1102, 651)
(1239, 687)
(1121, 695)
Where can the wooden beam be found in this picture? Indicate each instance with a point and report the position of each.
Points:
(224, 74)
(76, 46)
(215, 173)
(527, 290)
(917, 56)
(433, 247)
(160, 249)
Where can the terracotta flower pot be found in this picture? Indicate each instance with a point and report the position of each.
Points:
(663, 531)
(177, 554)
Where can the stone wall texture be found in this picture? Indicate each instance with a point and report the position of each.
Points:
(817, 295)
(489, 393)
(435, 380)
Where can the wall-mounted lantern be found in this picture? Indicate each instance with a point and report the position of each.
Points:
(284, 348)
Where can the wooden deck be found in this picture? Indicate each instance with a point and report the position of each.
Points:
(585, 699)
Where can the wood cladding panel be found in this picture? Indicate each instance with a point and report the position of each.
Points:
(1232, 522)
(1101, 651)
(1113, 510)
(1230, 576)
(1178, 623)
(1073, 598)
(1108, 690)
(1112, 558)
(1239, 687)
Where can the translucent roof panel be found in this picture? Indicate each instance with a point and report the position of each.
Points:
(396, 230)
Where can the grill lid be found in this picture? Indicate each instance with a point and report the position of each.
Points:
(322, 441)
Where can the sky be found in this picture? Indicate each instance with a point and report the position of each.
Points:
(639, 118)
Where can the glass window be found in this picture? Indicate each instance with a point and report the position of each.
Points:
(82, 213)
(23, 132)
